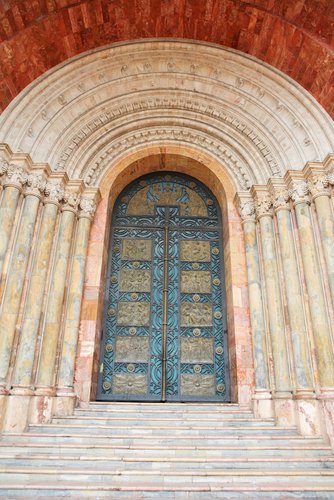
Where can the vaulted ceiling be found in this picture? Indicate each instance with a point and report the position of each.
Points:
(296, 36)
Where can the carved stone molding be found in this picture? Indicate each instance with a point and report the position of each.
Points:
(3, 166)
(330, 176)
(247, 210)
(299, 192)
(318, 185)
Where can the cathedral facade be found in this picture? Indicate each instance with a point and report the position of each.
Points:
(167, 234)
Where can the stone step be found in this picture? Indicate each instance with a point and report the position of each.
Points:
(164, 477)
(156, 451)
(189, 491)
(161, 440)
(148, 462)
(139, 421)
(235, 413)
(167, 405)
(176, 431)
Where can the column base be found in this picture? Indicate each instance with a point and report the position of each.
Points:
(326, 400)
(65, 402)
(41, 409)
(309, 421)
(16, 413)
(263, 404)
(284, 409)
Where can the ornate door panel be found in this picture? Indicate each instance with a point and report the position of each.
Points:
(164, 333)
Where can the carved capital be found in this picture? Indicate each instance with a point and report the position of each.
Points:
(247, 210)
(280, 198)
(3, 166)
(71, 201)
(263, 205)
(54, 192)
(35, 184)
(330, 176)
(299, 192)
(318, 185)
(15, 176)
(87, 208)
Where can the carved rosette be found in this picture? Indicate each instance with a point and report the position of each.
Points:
(15, 176)
(35, 185)
(299, 192)
(71, 202)
(54, 192)
(318, 186)
(247, 210)
(280, 199)
(263, 206)
(87, 207)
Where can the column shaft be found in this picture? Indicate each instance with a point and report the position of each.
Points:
(256, 307)
(14, 285)
(8, 207)
(302, 359)
(326, 225)
(275, 309)
(26, 350)
(72, 318)
(317, 304)
(45, 377)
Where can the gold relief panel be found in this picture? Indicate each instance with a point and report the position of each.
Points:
(129, 383)
(133, 280)
(195, 251)
(132, 349)
(197, 385)
(133, 313)
(196, 314)
(137, 249)
(197, 350)
(195, 282)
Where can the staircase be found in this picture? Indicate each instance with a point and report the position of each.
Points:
(164, 451)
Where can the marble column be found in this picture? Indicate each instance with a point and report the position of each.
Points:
(282, 395)
(305, 396)
(45, 382)
(73, 308)
(21, 381)
(17, 269)
(318, 186)
(14, 178)
(262, 396)
(320, 323)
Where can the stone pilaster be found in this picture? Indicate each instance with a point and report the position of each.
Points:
(66, 396)
(13, 179)
(17, 269)
(305, 396)
(45, 383)
(282, 395)
(262, 396)
(320, 324)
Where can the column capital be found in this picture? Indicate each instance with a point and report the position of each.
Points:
(54, 192)
(318, 185)
(299, 192)
(15, 176)
(87, 208)
(71, 202)
(279, 194)
(330, 175)
(35, 185)
(3, 166)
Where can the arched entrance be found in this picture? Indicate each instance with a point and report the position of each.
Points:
(165, 325)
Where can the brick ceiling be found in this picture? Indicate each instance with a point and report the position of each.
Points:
(295, 36)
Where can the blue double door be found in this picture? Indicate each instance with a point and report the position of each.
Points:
(164, 332)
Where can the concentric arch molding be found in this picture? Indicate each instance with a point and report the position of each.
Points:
(82, 115)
